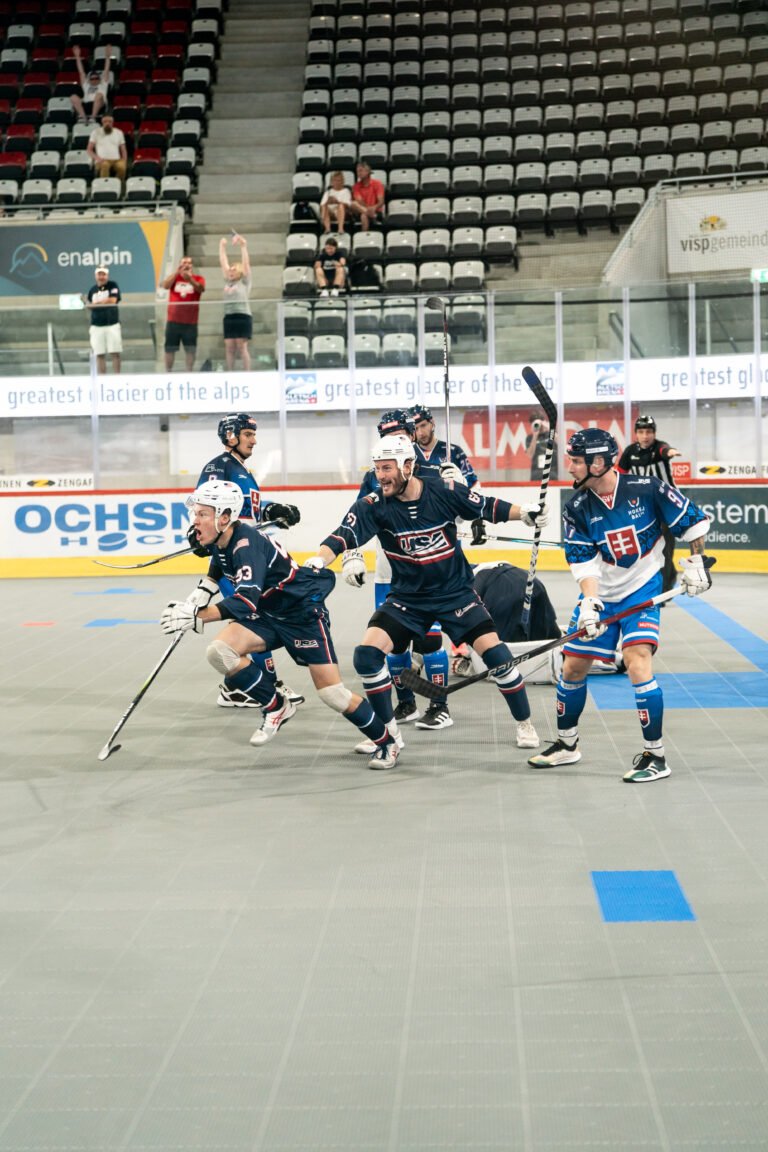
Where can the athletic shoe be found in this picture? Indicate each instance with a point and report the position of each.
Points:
(367, 747)
(273, 721)
(527, 736)
(284, 690)
(557, 753)
(406, 711)
(647, 766)
(385, 757)
(436, 716)
(234, 698)
(324, 293)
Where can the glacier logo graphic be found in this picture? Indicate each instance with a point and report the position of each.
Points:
(300, 388)
(29, 262)
(609, 379)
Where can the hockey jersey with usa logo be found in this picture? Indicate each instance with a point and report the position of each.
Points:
(419, 537)
(620, 541)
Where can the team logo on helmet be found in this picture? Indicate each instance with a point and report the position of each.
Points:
(232, 425)
(591, 442)
(421, 412)
(398, 420)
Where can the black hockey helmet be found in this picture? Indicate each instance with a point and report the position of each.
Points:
(232, 425)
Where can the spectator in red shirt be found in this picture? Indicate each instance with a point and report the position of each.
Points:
(185, 290)
(367, 197)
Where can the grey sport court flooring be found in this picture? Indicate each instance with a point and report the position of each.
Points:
(205, 946)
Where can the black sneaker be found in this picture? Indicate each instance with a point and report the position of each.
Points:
(407, 710)
(234, 698)
(647, 766)
(436, 716)
(284, 690)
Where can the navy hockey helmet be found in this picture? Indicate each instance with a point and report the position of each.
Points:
(645, 422)
(396, 420)
(421, 412)
(232, 425)
(592, 442)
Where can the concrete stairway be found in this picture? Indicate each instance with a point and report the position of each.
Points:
(249, 159)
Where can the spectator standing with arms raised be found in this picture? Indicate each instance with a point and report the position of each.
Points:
(94, 85)
(184, 291)
(106, 336)
(238, 321)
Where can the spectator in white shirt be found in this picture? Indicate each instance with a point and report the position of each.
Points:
(106, 147)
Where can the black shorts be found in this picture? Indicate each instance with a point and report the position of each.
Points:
(238, 326)
(177, 334)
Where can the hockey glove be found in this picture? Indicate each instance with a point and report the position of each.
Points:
(179, 616)
(203, 594)
(353, 568)
(451, 474)
(479, 534)
(696, 578)
(284, 515)
(589, 617)
(198, 548)
(315, 562)
(532, 517)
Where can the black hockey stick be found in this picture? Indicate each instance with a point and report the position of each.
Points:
(432, 691)
(511, 540)
(144, 563)
(544, 399)
(109, 747)
(438, 305)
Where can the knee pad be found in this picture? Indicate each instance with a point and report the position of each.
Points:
(431, 642)
(223, 658)
(368, 660)
(496, 657)
(336, 696)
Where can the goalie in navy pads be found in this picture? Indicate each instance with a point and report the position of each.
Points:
(415, 521)
(273, 604)
(614, 545)
(237, 432)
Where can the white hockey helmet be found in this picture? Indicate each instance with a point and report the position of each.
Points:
(397, 448)
(221, 495)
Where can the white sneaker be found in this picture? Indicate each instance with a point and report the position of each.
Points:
(334, 291)
(234, 698)
(385, 757)
(527, 736)
(272, 723)
(284, 690)
(557, 753)
(367, 747)
(324, 293)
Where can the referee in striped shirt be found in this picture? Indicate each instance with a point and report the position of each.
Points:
(651, 457)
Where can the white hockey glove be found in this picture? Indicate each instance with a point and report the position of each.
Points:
(696, 578)
(452, 474)
(179, 616)
(315, 562)
(203, 594)
(589, 617)
(532, 517)
(353, 568)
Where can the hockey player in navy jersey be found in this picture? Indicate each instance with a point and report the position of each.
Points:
(237, 432)
(415, 521)
(431, 453)
(272, 604)
(612, 529)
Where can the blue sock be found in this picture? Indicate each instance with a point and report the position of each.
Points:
(436, 670)
(571, 698)
(650, 710)
(364, 718)
(508, 680)
(255, 682)
(397, 662)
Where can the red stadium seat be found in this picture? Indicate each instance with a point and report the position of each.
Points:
(36, 84)
(127, 106)
(66, 83)
(147, 162)
(45, 59)
(160, 106)
(128, 130)
(13, 165)
(138, 56)
(174, 31)
(170, 55)
(133, 82)
(152, 134)
(165, 80)
(29, 110)
(5, 113)
(52, 36)
(142, 31)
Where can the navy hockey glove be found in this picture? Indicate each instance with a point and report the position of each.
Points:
(194, 543)
(479, 534)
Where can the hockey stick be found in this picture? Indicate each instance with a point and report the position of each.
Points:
(109, 747)
(511, 540)
(144, 563)
(438, 305)
(543, 397)
(422, 687)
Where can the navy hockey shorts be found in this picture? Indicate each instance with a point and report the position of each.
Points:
(306, 639)
(457, 617)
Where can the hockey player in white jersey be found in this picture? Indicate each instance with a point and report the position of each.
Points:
(612, 529)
